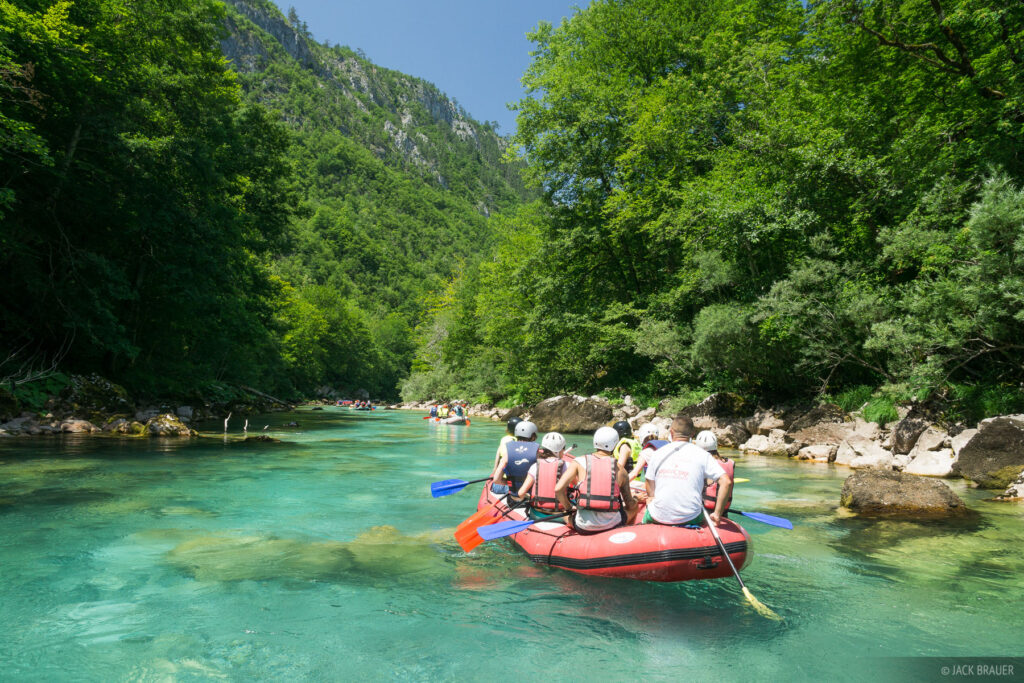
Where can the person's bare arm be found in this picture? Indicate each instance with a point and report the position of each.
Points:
(641, 461)
(627, 496)
(562, 487)
(499, 466)
(724, 489)
(524, 490)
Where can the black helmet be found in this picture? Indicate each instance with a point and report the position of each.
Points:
(623, 428)
(512, 422)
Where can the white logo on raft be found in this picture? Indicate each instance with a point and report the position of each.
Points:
(622, 537)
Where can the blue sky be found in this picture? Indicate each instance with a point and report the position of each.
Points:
(473, 50)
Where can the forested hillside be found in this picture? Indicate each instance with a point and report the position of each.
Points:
(779, 198)
(179, 222)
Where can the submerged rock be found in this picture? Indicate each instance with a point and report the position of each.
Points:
(1015, 491)
(73, 426)
(571, 414)
(995, 455)
(886, 492)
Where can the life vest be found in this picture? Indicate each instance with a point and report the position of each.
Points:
(711, 490)
(542, 495)
(634, 447)
(599, 489)
(521, 454)
(656, 444)
(433, 411)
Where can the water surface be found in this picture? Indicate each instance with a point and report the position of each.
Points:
(325, 558)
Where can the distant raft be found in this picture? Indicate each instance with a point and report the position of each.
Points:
(644, 552)
(453, 420)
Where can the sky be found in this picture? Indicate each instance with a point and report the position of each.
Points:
(473, 50)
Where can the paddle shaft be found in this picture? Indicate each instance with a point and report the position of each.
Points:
(721, 547)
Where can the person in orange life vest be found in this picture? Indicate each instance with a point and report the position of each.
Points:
(515, 458)
(709, 442)
(542, 477)
(604, 500)
(675, 480)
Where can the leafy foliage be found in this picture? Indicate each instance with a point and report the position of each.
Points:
(765, 196)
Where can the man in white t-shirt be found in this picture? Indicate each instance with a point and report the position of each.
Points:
(676, 475)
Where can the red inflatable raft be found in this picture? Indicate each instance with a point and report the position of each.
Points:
(647, 552)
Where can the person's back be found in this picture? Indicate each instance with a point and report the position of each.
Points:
(515, 458)
(542, 478)
(604, 500)
(433, 411)
(675, 478)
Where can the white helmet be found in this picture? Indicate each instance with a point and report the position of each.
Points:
(605, 439)
(707, 440)
(554, 442)
(646, 431)
(526, 430)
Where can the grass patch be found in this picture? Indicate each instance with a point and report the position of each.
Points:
(881, 409)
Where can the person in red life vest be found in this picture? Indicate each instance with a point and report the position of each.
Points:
(542, 477)
(675, 480)
(604, 500)
(515, 458)
(709, 442)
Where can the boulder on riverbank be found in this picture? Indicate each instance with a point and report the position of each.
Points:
(995, 455)
(885, 492)
(571, 413)
(167, 425)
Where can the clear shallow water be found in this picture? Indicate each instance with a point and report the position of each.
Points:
(325, 558)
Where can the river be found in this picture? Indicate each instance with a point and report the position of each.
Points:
(325, 558)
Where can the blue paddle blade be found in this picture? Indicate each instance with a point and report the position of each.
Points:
(768, 519)
(447, 487)
(489, 532)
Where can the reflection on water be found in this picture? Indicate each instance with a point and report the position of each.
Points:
(324, 557)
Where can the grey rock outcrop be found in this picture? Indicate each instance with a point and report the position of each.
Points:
(906, 432)
(885, 492)
(995, 455)
(938, 463)
(825, 413)
(571, 413)
(167, 425)
(721, 404)
(73, 426)
(642, 418)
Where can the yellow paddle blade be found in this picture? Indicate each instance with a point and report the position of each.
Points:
(761, 608)
(740, 480)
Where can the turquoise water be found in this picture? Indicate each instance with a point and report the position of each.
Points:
(324, 558)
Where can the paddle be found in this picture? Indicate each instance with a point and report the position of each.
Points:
(765, 519)
(754, 602)
(740, 480)
(450, 486)
(502, 529)
(466, 533)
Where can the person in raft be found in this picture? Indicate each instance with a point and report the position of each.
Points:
(627, 449)
(676, 475)
(604, 500)
(709, 442)
(510, 429)
(515, 458)
(648, 445)
(433, 411)
(543, 476)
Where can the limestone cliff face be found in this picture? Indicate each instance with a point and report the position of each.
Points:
(393, 114)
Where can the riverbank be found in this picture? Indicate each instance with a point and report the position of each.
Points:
(990, 454)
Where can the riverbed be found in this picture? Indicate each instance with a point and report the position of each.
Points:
(324, 557)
